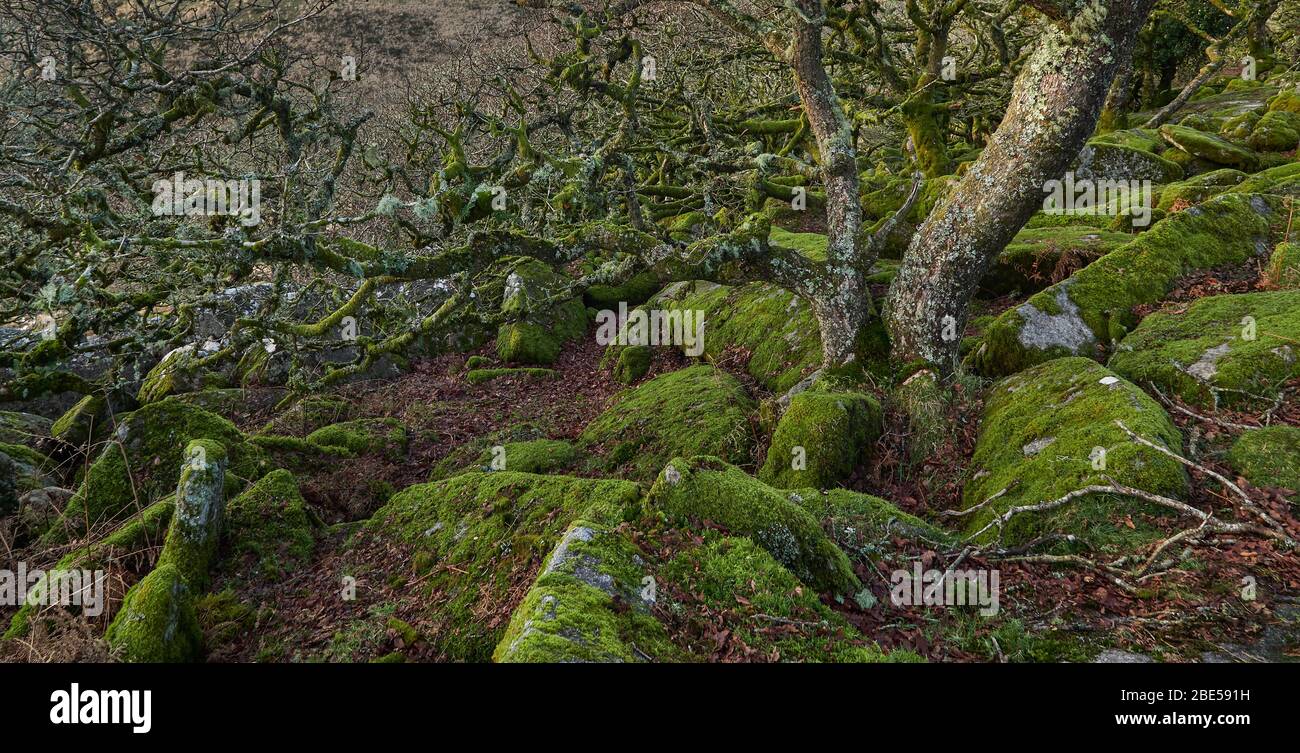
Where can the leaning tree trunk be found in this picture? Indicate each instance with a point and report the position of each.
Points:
(1053, 109)
(843, 303)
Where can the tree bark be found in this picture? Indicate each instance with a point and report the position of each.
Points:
(1054, 108)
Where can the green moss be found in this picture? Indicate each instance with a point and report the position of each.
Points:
(1277, 131)
(1283, 269)
(223, 618)
(1237, 128)
(1208, 354)
(269, 525)
(1207, 146)
(1138, 139)
(23, 428)
(179, 371)
(1283, 180)
(408, 634)
(722, 569)
(693, 411)
(1268, 457)
(157, 622)
(635, 291)
(477, 362)
(811, 245)
(541, 322)
(1286, 100)
(195, 530)
(633, 363)
(536, 456)
(479, 376)
(76, 425)
(1039, 438)
(363, 436)
(1085, 313)
(24, 471)
(707, 489)
(588, 604)
(1199, 188)
(776, 328)
(1041, 219)
(143, 461)
(481, 534)
(1036, 257)
(821, 438)
(229, 403)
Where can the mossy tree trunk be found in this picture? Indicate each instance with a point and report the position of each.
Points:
(1053, 109)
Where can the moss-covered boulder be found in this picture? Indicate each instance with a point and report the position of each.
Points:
(1287, 100)
(27, 470)
(540, 318)
(363, 436)
(1197, 189)
(1093, 308)
(708, 489)
(142, 463)
(633, 363)
(1051, 430)
(1100, 160)
(26, 429)
(1209, 147)
(822, 436)
(698, 410)
(1217, 351)
(774, 327)
(268, 526)
(722, 568)
(1283, 270)
(535, 456)
(81, 420)
(181, 370)
(195, 531)
(1268, 457)
(1139, 139)
(480, 537)
(637, 290)
(588, 604)
(157, 622)
(1277, 131)
(1038, 257)
(1283, 180)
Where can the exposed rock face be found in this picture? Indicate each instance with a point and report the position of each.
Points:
(1102, 161)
